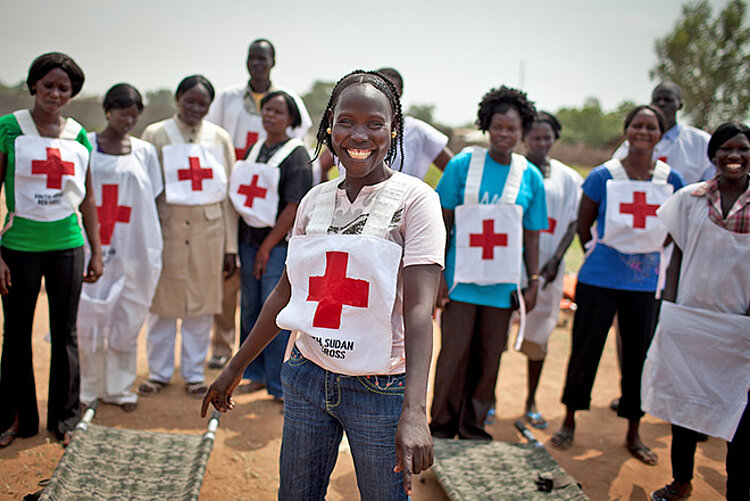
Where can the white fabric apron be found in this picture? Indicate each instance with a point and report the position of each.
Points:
(194, 173)
(697, 373)
(254, 186)
(344, 287)
(112, 309)
(50, 173)
(631, 225)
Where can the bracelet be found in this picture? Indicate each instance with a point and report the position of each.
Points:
(534, 277)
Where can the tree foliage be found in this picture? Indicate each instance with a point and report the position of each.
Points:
(316, 100)
(163, 97)
(590, 125)
(709, 58)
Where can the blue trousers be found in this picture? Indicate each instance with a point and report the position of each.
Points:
(319, 406)
(266, 368)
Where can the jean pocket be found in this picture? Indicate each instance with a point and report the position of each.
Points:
(296, 358)
(392, 384)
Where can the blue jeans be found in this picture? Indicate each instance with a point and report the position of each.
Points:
(319, 406)
(266, 368)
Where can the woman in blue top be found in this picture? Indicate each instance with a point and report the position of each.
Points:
(476, 317)
(613, 280)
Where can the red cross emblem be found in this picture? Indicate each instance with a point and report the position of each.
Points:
(252, 138)
(639, 209)
(551, 225)
(662, 159)
(251, 191)
(334, 290)
(110, 213)
(54, 168)
(196, 174)
(488, 239)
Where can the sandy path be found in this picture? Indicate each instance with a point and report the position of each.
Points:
(244, 462)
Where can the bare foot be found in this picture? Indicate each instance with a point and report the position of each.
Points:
(67, 437)
(642, 453)
(7, 437)
(563, 438)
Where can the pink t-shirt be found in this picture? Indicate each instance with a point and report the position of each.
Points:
(417, 226)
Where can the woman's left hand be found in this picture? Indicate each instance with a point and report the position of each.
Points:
(413, 446)
(529, 296)
(94, 269)
(261, 260)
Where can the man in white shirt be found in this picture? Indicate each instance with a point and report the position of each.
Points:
(237, 109)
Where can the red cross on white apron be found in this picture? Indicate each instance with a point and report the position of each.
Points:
(488, 239)
(54, 167)
(250, 140)
(110, 213)
(639, 209)
(195, 174)
(252, 191)
(551, 225)
(334, 289)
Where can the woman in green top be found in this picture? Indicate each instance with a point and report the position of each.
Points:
(44, 165)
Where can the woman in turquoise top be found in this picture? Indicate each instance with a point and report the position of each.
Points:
(44, 165)
(476, 318)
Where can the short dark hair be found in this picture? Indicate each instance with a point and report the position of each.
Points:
(188, 83)
(500, 101)
(670, 86)
(724, 133)
(48, 62)
(291, 104)
(122, 95)
(545, 117)
(395, 77)
(656, 111)
(261, 41)
(384, 85)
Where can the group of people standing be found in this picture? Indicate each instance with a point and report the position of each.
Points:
(339, 280)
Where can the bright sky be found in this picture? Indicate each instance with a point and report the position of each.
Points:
(450, 53)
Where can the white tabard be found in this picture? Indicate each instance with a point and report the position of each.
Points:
(631, 225)
(50, 173)
(113, 308)
(194, 173)
(254, 186)
(489, 237)
(344, 287)
(697, 372)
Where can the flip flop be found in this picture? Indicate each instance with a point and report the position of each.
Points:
(150, 388)
(563, 438)
(669, 493)
(196, 390)
(643, 454)
(536, 420)
(8, 434)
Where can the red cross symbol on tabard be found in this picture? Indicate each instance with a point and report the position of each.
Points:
(196, 174)
(334, 289)
(488, 239)
(251, 191)
(551, 225)
(662, 159)
(110, 213)
(54, 168)
(639, 209)
(252, 138)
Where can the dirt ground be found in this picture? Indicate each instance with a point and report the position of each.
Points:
(244, 462)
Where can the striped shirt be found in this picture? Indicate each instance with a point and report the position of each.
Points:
(738, 219)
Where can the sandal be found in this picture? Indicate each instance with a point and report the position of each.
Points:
(536, 420)
(7, 437)
(129, 406)
(150, 388)
(196, 390)
(671, 493)
(563, 438)
(643, 454)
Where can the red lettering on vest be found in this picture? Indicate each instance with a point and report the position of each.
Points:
(252, 138)
(488, 239)
(551, 225)
(110, 213)
(334, 290)
(639, 209)
(196, 174)
(54, 168)
(252, 191)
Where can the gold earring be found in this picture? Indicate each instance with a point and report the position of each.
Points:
(393, 134)
(328, 131)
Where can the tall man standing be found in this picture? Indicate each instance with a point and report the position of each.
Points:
(237, 109)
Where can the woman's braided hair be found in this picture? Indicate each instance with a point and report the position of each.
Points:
(384, 85)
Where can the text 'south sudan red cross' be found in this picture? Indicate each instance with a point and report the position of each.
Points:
(334, 289)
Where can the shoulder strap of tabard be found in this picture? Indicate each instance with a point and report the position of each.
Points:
(322, 214)
(474, 175)
(255, 151)
(283, 152)
(170, 127)
(28, 127)
(385, 206)
(515, 177)
(661, 173)
(616, 170)
(71, 130)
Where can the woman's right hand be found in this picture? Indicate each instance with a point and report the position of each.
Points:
(219, 394)
(443, 297)
(5, 283)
